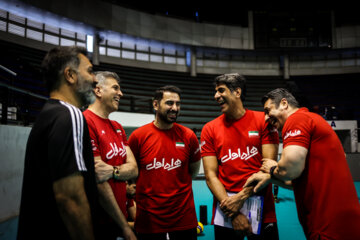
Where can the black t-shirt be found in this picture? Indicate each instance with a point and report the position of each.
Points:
(58, 146)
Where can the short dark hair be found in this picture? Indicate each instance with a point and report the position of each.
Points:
(233, 81)
(56, 60)
(279, 93)
(168, 88)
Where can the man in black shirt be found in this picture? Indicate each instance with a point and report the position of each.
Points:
(59, 194)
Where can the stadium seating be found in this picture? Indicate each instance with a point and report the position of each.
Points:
(138, 85)
(197, 102)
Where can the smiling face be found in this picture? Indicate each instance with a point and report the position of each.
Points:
(168, 108)
(276, 116)
(110, 94)
(228, 100)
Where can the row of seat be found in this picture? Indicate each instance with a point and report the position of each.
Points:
(138, 85)
(197, 100)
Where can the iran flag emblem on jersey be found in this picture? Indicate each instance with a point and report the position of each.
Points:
(179, 144)
(253, 133)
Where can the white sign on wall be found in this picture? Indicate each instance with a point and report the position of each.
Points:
(350, 125)
(127, 119)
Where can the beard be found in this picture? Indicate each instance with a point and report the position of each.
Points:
(85, 91)
(87, 97)
(164, 117)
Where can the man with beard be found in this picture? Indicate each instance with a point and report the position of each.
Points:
(233, 146)
(59, 194)
(314, 160)
(168, 157)
(114, 160)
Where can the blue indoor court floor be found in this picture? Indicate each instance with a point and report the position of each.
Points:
(288, 223)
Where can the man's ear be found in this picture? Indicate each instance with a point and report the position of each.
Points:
(238, 92)
(97, 91)
(284, 103)
(156, 105)
(69, 75)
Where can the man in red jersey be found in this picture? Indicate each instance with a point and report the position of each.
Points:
(233, 146)
(168, 157)
(114, 160)
(313, 158)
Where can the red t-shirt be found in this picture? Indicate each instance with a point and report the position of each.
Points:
(237, 144)
(108, 141)
(325, 194)
(164, 197)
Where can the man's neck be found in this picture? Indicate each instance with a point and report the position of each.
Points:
(236, 114)
(66, 96)
(99, 110)
(161, 125)
(292, 111)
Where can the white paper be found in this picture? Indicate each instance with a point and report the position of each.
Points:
(252, 209)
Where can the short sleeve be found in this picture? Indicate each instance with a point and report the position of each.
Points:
(133, 144)
(207, 144)
(93, 137)
(194, 148)
(297, 131)
(65, 141)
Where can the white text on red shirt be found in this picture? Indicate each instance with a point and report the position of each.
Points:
(116, 151)
(292, 133)
(242, 155)
(162, 164)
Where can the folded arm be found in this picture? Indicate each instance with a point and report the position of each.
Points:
(127, 171)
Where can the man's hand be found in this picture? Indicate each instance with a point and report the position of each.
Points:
(231, 205)
(241, 223)
(103, 171)
(267, 163)
(259, 179)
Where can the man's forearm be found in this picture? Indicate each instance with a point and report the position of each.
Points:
(217, 188)
(245, 193)
(109, 203)
(73, 206)
(231, 205)
(126, 171)
(77, 219)
(122, 172)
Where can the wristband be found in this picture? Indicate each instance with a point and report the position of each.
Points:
(116, 173)
(272, 169)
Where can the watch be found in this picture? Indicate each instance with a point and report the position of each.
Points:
(116, 173)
